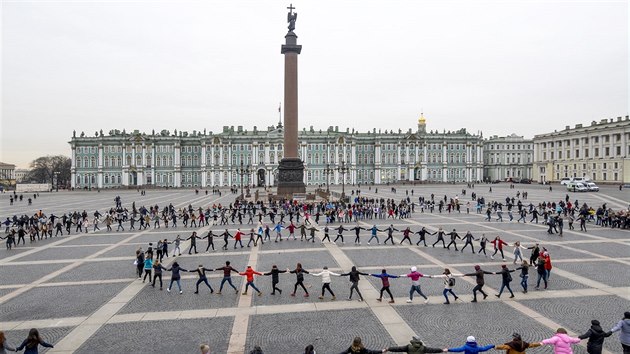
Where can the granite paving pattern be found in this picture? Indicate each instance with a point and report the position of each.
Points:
(54, 302)
(173, 336)
(297, 330)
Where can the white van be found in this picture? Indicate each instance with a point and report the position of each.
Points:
(565, 181)
(581, 179)
(576, 187)
(592, 187)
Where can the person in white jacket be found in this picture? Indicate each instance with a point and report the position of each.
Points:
(518, 251)
(325, 274)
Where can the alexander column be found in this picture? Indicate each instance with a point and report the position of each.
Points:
(291, 169)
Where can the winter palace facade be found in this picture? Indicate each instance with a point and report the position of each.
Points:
(200, 159)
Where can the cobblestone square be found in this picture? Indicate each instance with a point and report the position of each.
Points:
(99, 297)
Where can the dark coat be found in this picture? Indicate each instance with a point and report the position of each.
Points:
(595, 336)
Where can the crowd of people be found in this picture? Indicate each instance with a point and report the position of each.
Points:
(309, 218)
(561, 342)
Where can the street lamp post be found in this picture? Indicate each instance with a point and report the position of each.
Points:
(56, 173)
(243, 170)
(343, 169)
(327, 172)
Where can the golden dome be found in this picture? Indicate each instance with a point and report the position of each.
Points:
(422, 120)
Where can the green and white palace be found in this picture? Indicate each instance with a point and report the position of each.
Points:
(201, 159)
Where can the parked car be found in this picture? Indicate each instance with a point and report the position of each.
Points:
(526, 181)
(576, 187)
(565, 181)
(592, 187)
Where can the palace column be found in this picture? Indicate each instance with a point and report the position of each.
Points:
(291, 168)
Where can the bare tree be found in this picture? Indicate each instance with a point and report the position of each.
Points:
(43, 169)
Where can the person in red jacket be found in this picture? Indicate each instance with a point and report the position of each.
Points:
(237, 238)
(249, 273)
(547, 263)
(498, 246)
(291, 229)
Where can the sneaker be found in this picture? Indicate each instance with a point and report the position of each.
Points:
(259, 293)
(181, 292)
(160, 288)
(334, 298)
(409, 301)
(245, 293)
(491, 257)
(485, 296)
(292, 294)
(349, 299)
(196, 292)
(391, 301)
(426, 301)
(511, 296)
(235, 291)
(168, 290)
(447, 303)
(379, 300)
(218, 292)
(306, 295)
(474, 300)
(320, 297)
(497, 295)
(360, 300)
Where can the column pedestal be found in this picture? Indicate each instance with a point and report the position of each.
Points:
(291, 177)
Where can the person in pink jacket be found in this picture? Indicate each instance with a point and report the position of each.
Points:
(561, 342)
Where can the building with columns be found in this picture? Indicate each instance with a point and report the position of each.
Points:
(201, 159)
(599, 151)
(507, 157)
(7, 171)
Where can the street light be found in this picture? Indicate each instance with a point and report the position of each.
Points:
(343, 169)
(56, 173)
(327, 172)
(243, 170)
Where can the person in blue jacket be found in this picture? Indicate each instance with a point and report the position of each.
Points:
(385, 279)
(471, 347)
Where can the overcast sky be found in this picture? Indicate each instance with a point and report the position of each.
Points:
(502, 67)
